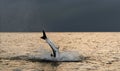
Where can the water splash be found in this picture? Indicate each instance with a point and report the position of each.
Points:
(68, 56)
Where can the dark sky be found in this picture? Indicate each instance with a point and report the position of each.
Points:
(59, 15)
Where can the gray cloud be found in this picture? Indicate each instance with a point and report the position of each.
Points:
(59, 15)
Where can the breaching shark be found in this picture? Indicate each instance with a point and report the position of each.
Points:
(54, 48)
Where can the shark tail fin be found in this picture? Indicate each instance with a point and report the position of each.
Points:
(44, 35)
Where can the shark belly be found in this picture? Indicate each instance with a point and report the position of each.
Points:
(54, 48)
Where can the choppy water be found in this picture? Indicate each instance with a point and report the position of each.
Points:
(43, 55)
(42, 61)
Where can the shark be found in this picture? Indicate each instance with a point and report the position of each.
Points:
(55, 49)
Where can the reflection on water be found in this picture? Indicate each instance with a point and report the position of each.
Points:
(62, 66)
(50, 66)
(33, 61)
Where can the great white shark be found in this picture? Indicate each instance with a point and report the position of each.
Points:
(54, 48)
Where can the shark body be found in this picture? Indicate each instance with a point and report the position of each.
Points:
(54, 48)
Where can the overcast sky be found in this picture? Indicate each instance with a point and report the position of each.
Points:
(59, 15)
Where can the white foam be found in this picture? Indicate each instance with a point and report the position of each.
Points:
(64, 56)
